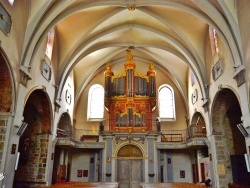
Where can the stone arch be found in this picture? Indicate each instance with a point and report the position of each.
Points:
(198, 125)
(7, 87)
(129, 150)
(64, 127)
(7, 105)
(229, 142)
(197, 119)
(131, 144)
(34, 142)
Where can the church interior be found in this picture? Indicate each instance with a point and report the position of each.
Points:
(124, 93)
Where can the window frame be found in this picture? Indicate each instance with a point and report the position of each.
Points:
(91, 89)
(162, 118)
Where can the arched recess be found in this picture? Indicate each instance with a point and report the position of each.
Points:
(6, 89)
(61, 169)
(64, 127)
(198, 129)
(7, 104)
(129, 166)
(33, 143)
(198, 126)
(129, 151)
(197, 119)
(229, 142)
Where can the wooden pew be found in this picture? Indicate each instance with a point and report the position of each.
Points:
(231, 185)
(83, 184)
(171, 185)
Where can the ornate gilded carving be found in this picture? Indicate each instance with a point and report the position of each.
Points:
(131, 7)
(151, 71)
(129, 151)
(130, 102)
(142, 76)
(132, 98)
(129, 56)
(118, 76)
(143, 97)
(108, 71)
(143, 106)
(124, 113)
(130, 63)
(119, 97)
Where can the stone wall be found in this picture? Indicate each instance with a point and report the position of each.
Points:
(6, 87)
(2, 136)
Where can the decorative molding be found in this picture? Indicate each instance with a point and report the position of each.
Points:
(240, 77)
(205, 105)
(24, 78)
(57, 106)
(129, 138)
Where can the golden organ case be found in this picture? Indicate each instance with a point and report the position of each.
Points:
(130, 97)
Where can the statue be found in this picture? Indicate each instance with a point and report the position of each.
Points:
(101, 127)
(158, 125)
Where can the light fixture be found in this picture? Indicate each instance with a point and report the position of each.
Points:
(22, 128)
(244, 130)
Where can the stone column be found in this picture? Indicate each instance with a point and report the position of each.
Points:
(109, 172)
(152, 161)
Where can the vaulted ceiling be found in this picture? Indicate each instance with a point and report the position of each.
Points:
(170, 33)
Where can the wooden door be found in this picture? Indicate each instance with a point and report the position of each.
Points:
(203, 179)
(136, 173)
(195, 173)
(123, 174)
(129, 173)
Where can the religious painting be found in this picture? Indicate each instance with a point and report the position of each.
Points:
(85, 173)
(182, 174)
(79, 173)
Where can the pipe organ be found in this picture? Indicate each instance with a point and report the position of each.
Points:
(130, 97)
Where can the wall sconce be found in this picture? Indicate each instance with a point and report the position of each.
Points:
(108, 159)
(21, 129)
(108, 174)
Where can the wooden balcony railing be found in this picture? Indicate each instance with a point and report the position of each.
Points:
(192, 131)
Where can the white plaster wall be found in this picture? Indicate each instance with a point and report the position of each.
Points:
(182, 161)
(80, 161)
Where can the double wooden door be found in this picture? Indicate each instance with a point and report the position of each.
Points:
(129, 173)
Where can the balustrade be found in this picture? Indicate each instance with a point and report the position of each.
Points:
(190, 132)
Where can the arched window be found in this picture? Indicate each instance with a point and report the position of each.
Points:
(166, 103)
(50, 42)
(213, 41)
(11, 2)
(95, 103)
